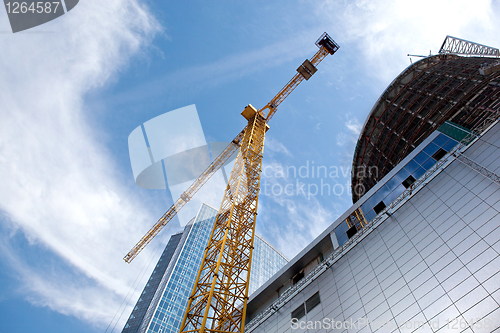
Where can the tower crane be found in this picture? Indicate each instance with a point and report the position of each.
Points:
(219, 298)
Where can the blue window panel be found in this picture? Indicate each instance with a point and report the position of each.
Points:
(429, 163)
(392, 183)
(365, 208)
(411, 166)
(340, 232)
(449, 145)
(384, 191)
(431, 149)
(341, 228)
(421, 158)
(418, 173)
(441, 140)
(370, 215)
(394, 194)
(342, 239)
(402, 175)
(370, 203)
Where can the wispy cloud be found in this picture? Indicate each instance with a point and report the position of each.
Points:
(60, 187)
(353, 127)
(384, 32)
(212, 74)
(305, 220)
(274, 146)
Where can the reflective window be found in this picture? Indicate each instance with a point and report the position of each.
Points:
(449, 145)
(431, 149)
(370, 215)
(441, 140)
(385, 190)
(418, 173)
(340, 232)
(411, 166)
(429, 163)
(421, 158)
(397, 191)
(412, 171)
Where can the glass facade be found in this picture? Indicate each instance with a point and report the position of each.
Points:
(413, 170)
(146, 299)
(164, 313)
(265, 262)
(168, 316)
(431, 266)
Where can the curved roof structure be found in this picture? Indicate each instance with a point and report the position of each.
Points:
(463, 90)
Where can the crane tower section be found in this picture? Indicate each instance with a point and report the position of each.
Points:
(220, 294)
(219, 299)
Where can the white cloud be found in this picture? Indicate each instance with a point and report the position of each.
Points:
(353, 127)
(384, 31)
(276, 147)
(305, 219)
(59, 186)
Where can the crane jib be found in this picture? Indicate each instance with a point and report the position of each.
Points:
(326, 46)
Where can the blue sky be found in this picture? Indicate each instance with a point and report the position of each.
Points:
(74, 89)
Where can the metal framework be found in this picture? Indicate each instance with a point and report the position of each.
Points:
(221, 286)
(477, 167)
(428, 93)
(357, 219)
(387, 212)
(460, 46)
(326, 46)
(220, 294)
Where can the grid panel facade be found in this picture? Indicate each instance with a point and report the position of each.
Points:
(168, 316)
(265, 262)
(164, 299)
(145, 300)
(433, 266)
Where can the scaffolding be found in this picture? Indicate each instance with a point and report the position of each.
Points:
(371, 225)
(428, 93)
(464, 47)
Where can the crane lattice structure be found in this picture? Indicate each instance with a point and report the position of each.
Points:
(219, 298)
(460, 46)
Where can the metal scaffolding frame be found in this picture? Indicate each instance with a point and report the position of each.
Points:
(477, 167)
(431, 91)
(386, 213)
(460, 46)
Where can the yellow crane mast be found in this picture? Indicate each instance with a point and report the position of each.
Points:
(219, 298)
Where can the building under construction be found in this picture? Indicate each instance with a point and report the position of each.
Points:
(439, 88)
(419, 250)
